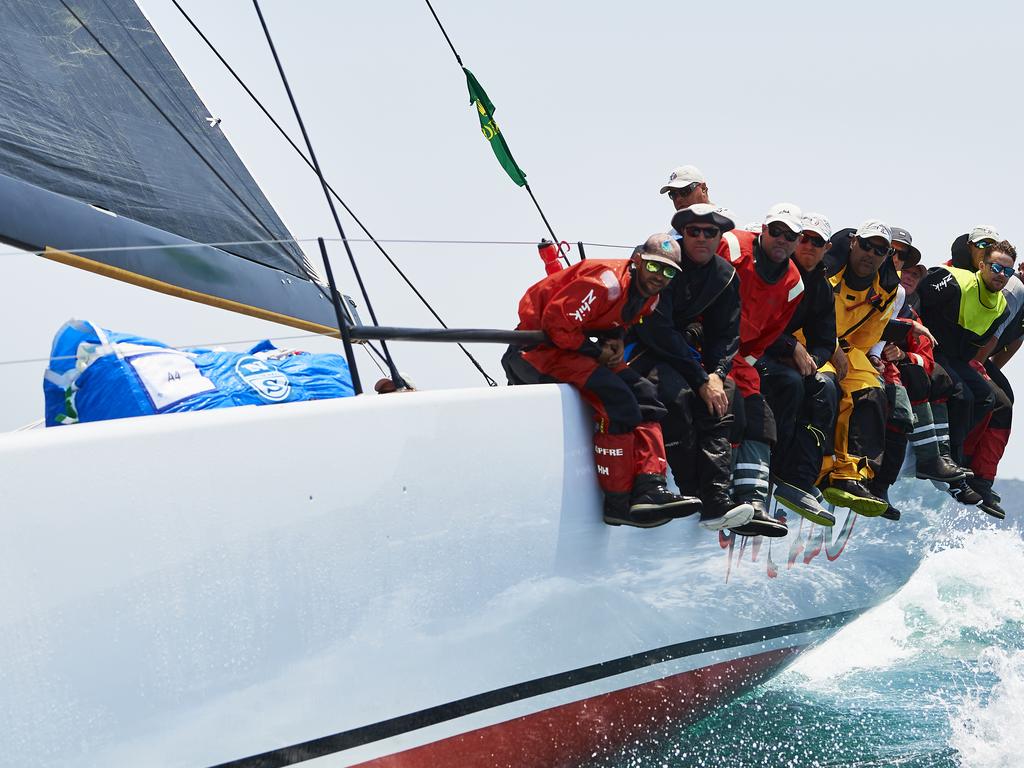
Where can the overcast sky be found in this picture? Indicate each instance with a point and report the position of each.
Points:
(905, 113)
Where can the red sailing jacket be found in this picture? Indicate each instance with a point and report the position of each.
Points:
(580, 301)
(765, 308)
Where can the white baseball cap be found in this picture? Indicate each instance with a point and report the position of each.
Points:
(984, 232)
(816, 222)
(788, 214)
(683, 176)
(875, 228)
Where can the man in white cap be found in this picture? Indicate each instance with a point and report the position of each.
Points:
(968, 250)
(803, 400)
(770, 291)
(865, 284)
(686, 186)
(965, 310)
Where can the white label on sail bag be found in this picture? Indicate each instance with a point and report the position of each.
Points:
(169, 377)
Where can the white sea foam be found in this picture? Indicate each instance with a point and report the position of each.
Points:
(957, 596)
(987, 733)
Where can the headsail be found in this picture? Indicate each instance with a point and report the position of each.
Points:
(94, 108)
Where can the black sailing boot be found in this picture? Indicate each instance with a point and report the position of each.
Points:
(761, 524)
(651, 499)
(714, 470)
(881, 490)
(962, 492)
(750, 485)
(930, 462)
(989, 501)
(940, 412)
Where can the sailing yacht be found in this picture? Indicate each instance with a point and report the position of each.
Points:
(405, 581)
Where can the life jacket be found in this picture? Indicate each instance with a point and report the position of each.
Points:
(960, 310)
(861, 316)
(765, 308)
(586, 299)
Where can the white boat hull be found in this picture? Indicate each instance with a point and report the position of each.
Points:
(410, 580)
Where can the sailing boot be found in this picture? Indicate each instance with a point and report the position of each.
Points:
(940, 412)
(721, 512)
(881, 490)
(761, 524)
(750, 485)
(713, 462)
(853, 495)
(802, 502)
(616, 512)
(931, 463)
(989, 502)
(651, 499)
(961, 491)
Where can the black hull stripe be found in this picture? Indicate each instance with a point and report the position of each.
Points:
(367, 734)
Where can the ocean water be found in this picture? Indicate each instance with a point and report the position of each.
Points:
(934, 678)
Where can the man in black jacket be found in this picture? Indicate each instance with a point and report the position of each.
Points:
(803, 400)
(688, 345)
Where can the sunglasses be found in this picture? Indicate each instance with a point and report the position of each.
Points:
(654, 267)
(999, 269)
(984, 244)
(685, 191)
(778, 229)
(878, 250)
(706, 232)
(816, 240)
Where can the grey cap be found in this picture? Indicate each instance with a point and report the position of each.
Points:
(660, 247)
(900, 235)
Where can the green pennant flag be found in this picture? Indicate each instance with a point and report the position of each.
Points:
(485, 109)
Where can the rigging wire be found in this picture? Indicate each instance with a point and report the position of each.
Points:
(165, 116)
(412, 241)
(331, 189)
(526, 184)
(395, 377)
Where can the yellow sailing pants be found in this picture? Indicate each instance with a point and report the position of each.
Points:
(860, 422)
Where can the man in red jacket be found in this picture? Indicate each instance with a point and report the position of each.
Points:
(585, 310)
(770, 290)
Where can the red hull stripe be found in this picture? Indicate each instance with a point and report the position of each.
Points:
(385, 729)
(570, 734)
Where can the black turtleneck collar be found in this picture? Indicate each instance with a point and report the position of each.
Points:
(855, 283)
(768, 270)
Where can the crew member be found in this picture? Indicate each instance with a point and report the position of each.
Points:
(598, 299)
(987, 442)
(770, 291)
(803, 401)
(688, 344)
(964, 310)
(864, 283)
(686, 186)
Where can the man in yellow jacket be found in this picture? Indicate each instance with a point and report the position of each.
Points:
(865, 283)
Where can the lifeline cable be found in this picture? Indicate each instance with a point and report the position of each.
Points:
(526, 184)
(281, 130)
(395, 376)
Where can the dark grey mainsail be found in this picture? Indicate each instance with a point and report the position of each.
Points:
(95, 113)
